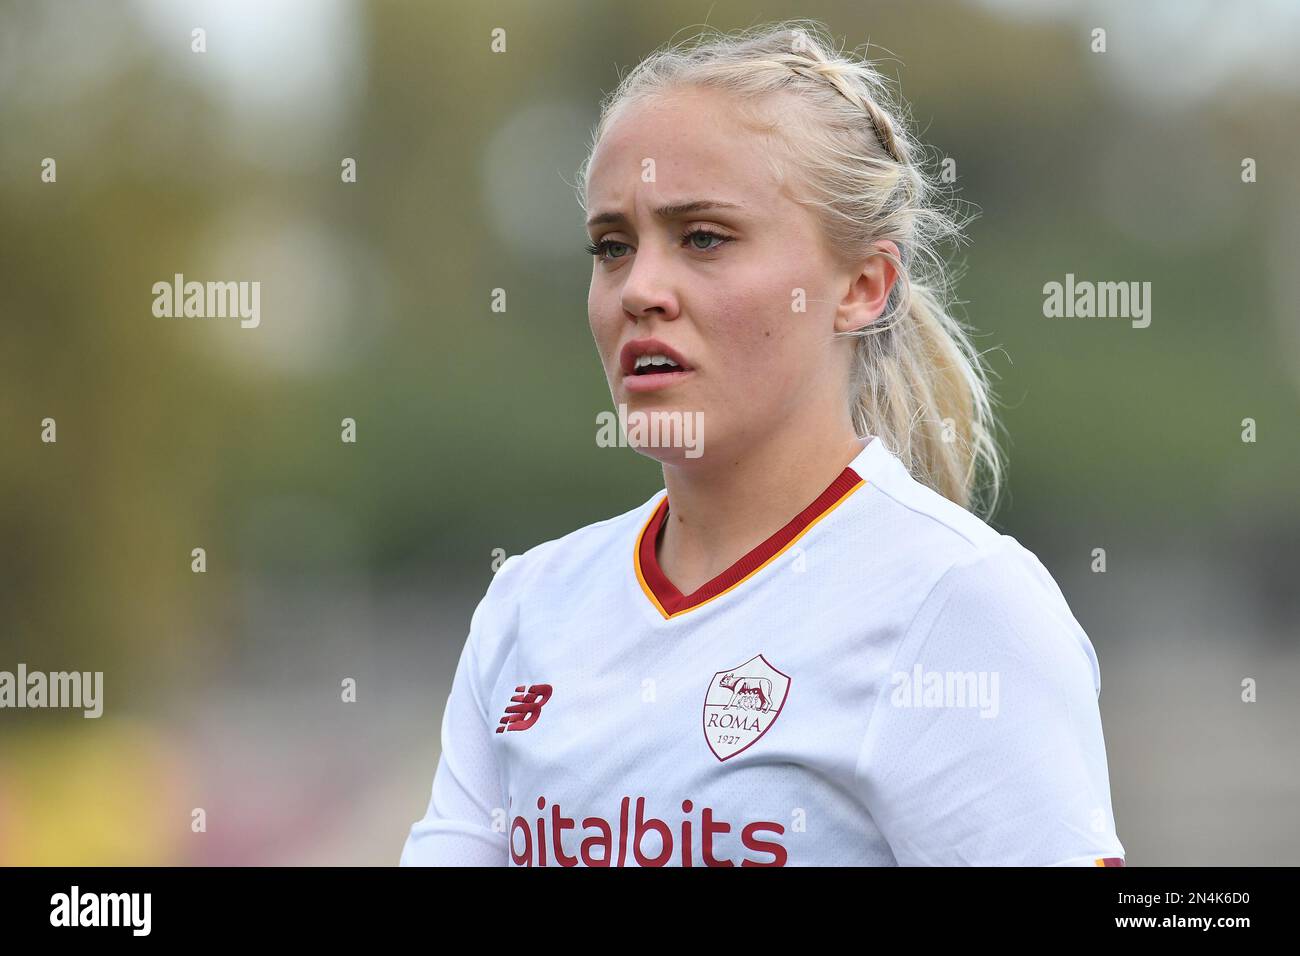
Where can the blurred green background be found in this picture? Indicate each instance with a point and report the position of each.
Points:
(475, 429)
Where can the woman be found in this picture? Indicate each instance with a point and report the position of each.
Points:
(806, 650)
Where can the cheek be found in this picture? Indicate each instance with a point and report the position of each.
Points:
(760, 334)
(604, 326)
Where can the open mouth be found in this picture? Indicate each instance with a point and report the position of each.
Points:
(649, 365)
(655, 365)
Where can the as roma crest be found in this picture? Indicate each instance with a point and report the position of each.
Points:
(741, 704)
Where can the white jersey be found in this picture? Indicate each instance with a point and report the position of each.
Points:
(885, 681)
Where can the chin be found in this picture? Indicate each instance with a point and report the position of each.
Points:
(662, 429)
(671, 455)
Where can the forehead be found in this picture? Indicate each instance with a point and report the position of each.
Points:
(699, 147)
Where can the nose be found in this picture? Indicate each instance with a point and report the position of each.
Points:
(649, 287)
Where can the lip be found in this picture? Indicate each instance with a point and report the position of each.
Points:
(654, 380)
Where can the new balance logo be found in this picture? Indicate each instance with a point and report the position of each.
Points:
(525, 707)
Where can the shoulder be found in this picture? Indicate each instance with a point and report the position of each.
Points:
(997, 607)
(969, 582)
(919, 519)
(573, 553)
(564, 565)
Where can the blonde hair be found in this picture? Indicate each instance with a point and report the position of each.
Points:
(917, 382)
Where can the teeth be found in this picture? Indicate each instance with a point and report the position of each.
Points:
(644, 360)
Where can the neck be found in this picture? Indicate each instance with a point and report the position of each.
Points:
(719, 512)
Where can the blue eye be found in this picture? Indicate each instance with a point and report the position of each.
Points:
(690, 235)
(600, 248)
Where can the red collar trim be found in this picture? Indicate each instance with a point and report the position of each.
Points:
(670, 602)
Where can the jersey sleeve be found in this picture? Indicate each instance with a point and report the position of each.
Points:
(464, 822)
(985, 747)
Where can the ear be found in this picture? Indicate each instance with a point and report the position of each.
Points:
(869, 288)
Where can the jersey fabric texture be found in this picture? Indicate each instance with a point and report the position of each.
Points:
(885, 681)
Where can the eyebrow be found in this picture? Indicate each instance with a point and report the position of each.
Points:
(671, 211)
